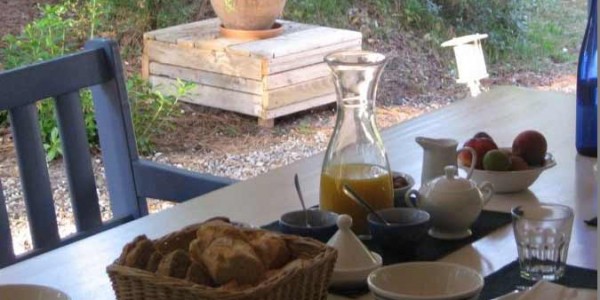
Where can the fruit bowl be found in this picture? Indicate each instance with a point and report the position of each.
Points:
(512, 181)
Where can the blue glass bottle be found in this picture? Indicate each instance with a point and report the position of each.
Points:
(587, 89)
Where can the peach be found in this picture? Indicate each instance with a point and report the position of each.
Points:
(531, 146)
(517, 163)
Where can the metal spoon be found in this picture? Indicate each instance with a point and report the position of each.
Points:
(297, 184)
(350, 193)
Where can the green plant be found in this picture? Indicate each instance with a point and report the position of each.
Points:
(127, 20)
(324, 12)
(58, 31)
(62, 28)
(152, 109)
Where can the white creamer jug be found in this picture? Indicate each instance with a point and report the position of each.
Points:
(439, 153)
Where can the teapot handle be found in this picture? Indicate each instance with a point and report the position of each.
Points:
(473, 159)
(488, 191)
(412, 198)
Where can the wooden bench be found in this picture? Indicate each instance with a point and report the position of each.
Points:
(264, 78)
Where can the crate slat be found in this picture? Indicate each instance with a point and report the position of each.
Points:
(299, 92)
(300, 106)
(298, 42)
(213, 97)
(208, 78)
(206, 60)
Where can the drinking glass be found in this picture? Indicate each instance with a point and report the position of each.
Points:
(542, 232)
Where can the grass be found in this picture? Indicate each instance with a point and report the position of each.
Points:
(554, 34)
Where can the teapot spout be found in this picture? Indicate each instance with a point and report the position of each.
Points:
(431, 143)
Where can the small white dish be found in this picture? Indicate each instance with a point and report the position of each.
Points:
(30, 292)
(512, 181)
(353, 278)
(425, 281)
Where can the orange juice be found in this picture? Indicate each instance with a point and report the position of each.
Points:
(372, 183)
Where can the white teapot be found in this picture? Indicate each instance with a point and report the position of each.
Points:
(453, 203)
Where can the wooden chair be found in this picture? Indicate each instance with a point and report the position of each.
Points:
(130, 179)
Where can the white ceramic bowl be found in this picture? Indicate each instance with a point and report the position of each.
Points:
(30, 292)
(425, 281)
(512, 181)
(353, 278)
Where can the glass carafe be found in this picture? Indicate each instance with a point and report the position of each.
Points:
(355, 154)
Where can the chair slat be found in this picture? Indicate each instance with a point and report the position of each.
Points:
(6, 248)
(55, 77)
(117, 140)
(76, 154)
(34, 176)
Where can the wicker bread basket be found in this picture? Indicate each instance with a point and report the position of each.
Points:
(305, 278)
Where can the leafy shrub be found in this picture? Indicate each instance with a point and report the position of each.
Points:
(151, 109)
(505, 21)
(129, 19)
(62, 28)
(325, 12)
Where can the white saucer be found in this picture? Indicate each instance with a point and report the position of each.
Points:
(449, 235)
(30, 292)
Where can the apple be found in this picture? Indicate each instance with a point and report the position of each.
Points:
(531, 146)
(481, 147)
(483, 134)
(496, 160)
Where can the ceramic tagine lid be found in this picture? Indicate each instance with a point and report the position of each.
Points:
(352, 253)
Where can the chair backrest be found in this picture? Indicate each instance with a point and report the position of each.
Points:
(99, 67)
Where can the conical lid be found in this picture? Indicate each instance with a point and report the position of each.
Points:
(352, 253)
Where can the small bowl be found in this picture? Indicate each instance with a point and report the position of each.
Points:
(353, 278)
(425, 281)
(322, 224)
(512, 181)
(409, 226)
(31, 292)
(400, 192)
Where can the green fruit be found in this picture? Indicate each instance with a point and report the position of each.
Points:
(496, 160)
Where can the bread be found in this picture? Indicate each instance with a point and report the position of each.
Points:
(140, 254)
(271, 249)
(229, 259)
(212, 230)
(215, 254)
(174, 264)
(197, 273)
(182, 238)
(154, 261)
(128, 247)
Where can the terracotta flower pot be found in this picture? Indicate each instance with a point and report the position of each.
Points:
(248, 14)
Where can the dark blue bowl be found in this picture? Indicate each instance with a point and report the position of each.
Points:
(409, 227)
(322, 224)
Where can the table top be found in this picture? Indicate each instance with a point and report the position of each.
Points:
(503, 112)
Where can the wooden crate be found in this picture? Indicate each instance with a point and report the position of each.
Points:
(263, 78)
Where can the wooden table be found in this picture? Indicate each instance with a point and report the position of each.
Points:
(79, 268)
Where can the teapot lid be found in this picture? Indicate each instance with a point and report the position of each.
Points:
(451, 182)
(352, 253)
